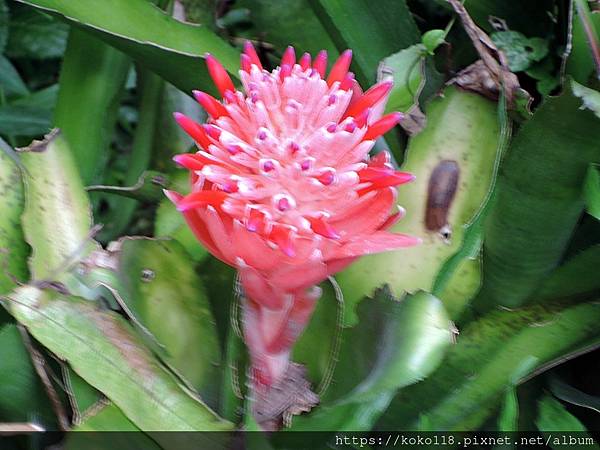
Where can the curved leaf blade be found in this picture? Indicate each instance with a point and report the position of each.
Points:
(102, 348)
(538, 200)
(172, 49)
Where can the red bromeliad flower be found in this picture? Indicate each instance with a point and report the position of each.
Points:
(283, 188)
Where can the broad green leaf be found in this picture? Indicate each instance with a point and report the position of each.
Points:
(302, 27)
(592, 190)
(576, 278)
(22, 396)
(57, 218)
(385, 28)
(552, 416)
(90, 93)
(461, 127)
(44, 99)
(395, 344)
(520, 51)
(109, 418)
(163, 291)
(102, 348)
(462, 286)
(172, 49)
(467, 387)
(11, 83)
(13, 249)
(538, 200)
(35, 34)
(16, 120)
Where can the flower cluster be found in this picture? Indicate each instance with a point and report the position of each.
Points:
(283, 188)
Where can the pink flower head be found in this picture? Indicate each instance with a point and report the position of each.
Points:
(283, 188)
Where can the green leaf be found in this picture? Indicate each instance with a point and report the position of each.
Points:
(395, 344)
(509, 412)
(577, 278)
(538, 200)
(13, 249)
(35, 34)
(467, 388)
(151, 271)
(519, 50)
(57, 218)
(407, 70)
(552, 416)
(580, 64)
(11, 83)
(90, 93)
(22, 396)
(385, 27)
(4, 21)
(43, 99)
(172, 49)
(432, 39)
(461, 127)
(302, 28)
(591, 190)
(570, 394)
(18, 120)
(102, 348)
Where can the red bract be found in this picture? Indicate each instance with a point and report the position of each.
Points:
(283, 188)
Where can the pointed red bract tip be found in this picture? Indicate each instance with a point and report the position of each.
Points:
(289, 57)
(340, 67)
(245, 63)
(175, 197)
(320, 64)
(383, 125)
(282, 237)
(212, 131)
(194, 130)
(200, 199)
(286, 71)
(369, 98)
(385, 176)
(382, 177)
(347, 82)
(320, 226)
(212, 106)
(189, 161)
(219, 75)
(251, 53)
(305, 61)
(361, 119)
